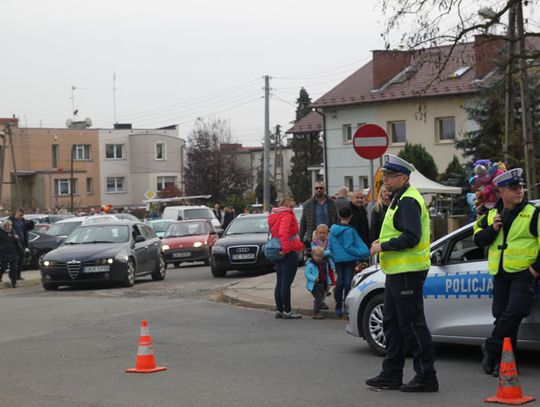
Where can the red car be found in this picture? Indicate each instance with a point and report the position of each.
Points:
(188, 240)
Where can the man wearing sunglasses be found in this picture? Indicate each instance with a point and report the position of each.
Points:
(510, 230)
(403, 248)
(318, 209)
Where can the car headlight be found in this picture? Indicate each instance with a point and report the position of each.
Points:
(198, 244)
(48, 263)
(105, 261)
(165, 247)
(218, 249)
(121, 255)
(358, 278)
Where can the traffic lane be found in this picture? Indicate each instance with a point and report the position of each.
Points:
(216, 355)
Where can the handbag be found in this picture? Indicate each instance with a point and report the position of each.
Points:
(272, 248)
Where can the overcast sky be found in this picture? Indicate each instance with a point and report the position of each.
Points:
(176, 60)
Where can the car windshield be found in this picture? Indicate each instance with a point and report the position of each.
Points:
(185, 229)
(199, 213)
(159, 226)
(62, 228)
(99, 234)
(246, 224)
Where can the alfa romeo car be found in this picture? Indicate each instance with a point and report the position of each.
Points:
(457, 298)
(104, 252)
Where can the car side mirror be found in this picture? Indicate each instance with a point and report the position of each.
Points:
(139, 239)
(436, 258)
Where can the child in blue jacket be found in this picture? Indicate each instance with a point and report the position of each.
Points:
(347, 248)
(317, 274)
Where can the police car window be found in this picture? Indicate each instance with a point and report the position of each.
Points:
(464, 250)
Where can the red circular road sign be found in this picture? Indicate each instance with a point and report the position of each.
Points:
(370, 141)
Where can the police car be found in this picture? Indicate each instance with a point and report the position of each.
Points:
(457, 298)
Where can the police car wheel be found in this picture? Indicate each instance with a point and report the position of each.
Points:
(372, 324)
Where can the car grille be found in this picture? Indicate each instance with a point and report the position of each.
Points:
(243, 254)
(73, 267)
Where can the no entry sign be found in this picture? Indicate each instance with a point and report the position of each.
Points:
(370, 141)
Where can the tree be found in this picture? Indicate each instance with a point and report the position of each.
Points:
(417, 155)
(455, 175)
(259, 188)
(211, 171)
(307, 152)
(170, 191)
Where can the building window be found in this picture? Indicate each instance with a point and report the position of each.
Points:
(445, 128)
(348, 182)
(363, 182)
(54, 155)
(114, 151)
(160, 151)
(89, 186)
(347, 133)
(397, 131)
(115, 184)
(62, 187)
(164, 182)
(81, 151)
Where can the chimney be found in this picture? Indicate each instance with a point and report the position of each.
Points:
(488, 51)
(387, 64)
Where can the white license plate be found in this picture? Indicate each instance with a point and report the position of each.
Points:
(249, 256)
(96, 269)
(181, 254)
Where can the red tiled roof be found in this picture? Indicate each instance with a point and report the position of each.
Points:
(358, 87)
(310, 123)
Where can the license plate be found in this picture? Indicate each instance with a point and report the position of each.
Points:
(181, 254)
(248, 256)
(96, 269)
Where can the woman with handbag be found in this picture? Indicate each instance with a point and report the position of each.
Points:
(284, 226)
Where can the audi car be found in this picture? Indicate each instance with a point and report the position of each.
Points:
(240, 247)
(457, 298)
(189, 240)
(112, 252)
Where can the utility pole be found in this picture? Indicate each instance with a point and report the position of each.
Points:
(2, 161)
(17, 187)
(266, 164)
(509, 83)
(526, 116)
(71, 181)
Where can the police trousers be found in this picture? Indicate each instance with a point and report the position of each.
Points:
(512, 299)
(404, 326)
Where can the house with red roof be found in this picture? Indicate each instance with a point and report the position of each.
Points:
(417, 96)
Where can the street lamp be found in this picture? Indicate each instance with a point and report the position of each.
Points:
(71, 181)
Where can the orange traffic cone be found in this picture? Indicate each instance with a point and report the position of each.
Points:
(509, 390)
(146, 363)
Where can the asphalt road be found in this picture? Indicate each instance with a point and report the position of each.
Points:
(70, 348)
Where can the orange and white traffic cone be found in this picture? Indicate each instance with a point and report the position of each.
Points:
(509, 390)
(145, 363)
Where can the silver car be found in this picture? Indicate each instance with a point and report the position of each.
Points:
(457, 298)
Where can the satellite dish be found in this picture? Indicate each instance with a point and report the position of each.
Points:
(88, 122)
(69, 123)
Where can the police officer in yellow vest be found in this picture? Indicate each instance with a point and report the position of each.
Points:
(510, 230)
(403, 248)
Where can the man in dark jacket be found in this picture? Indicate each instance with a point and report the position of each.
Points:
(317, 209)
(359, 216)
(10, 252)
(21, 227)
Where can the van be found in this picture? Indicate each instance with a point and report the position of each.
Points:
(190, 212)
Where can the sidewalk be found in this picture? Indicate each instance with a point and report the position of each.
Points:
(258, 292)
(31, 278)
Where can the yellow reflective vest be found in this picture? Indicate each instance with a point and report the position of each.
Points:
(415, 258)
(521, 247)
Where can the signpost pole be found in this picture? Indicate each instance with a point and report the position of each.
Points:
(371, 181)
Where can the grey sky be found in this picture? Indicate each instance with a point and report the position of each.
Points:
(175, 59)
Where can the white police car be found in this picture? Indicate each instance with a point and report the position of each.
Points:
(457, 297)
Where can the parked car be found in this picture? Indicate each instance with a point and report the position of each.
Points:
(191, 212)
(189, 240)
(240, 247)
(159, 226)
(457, 298)
(63, 228)
(104, 252)
(40, 244)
